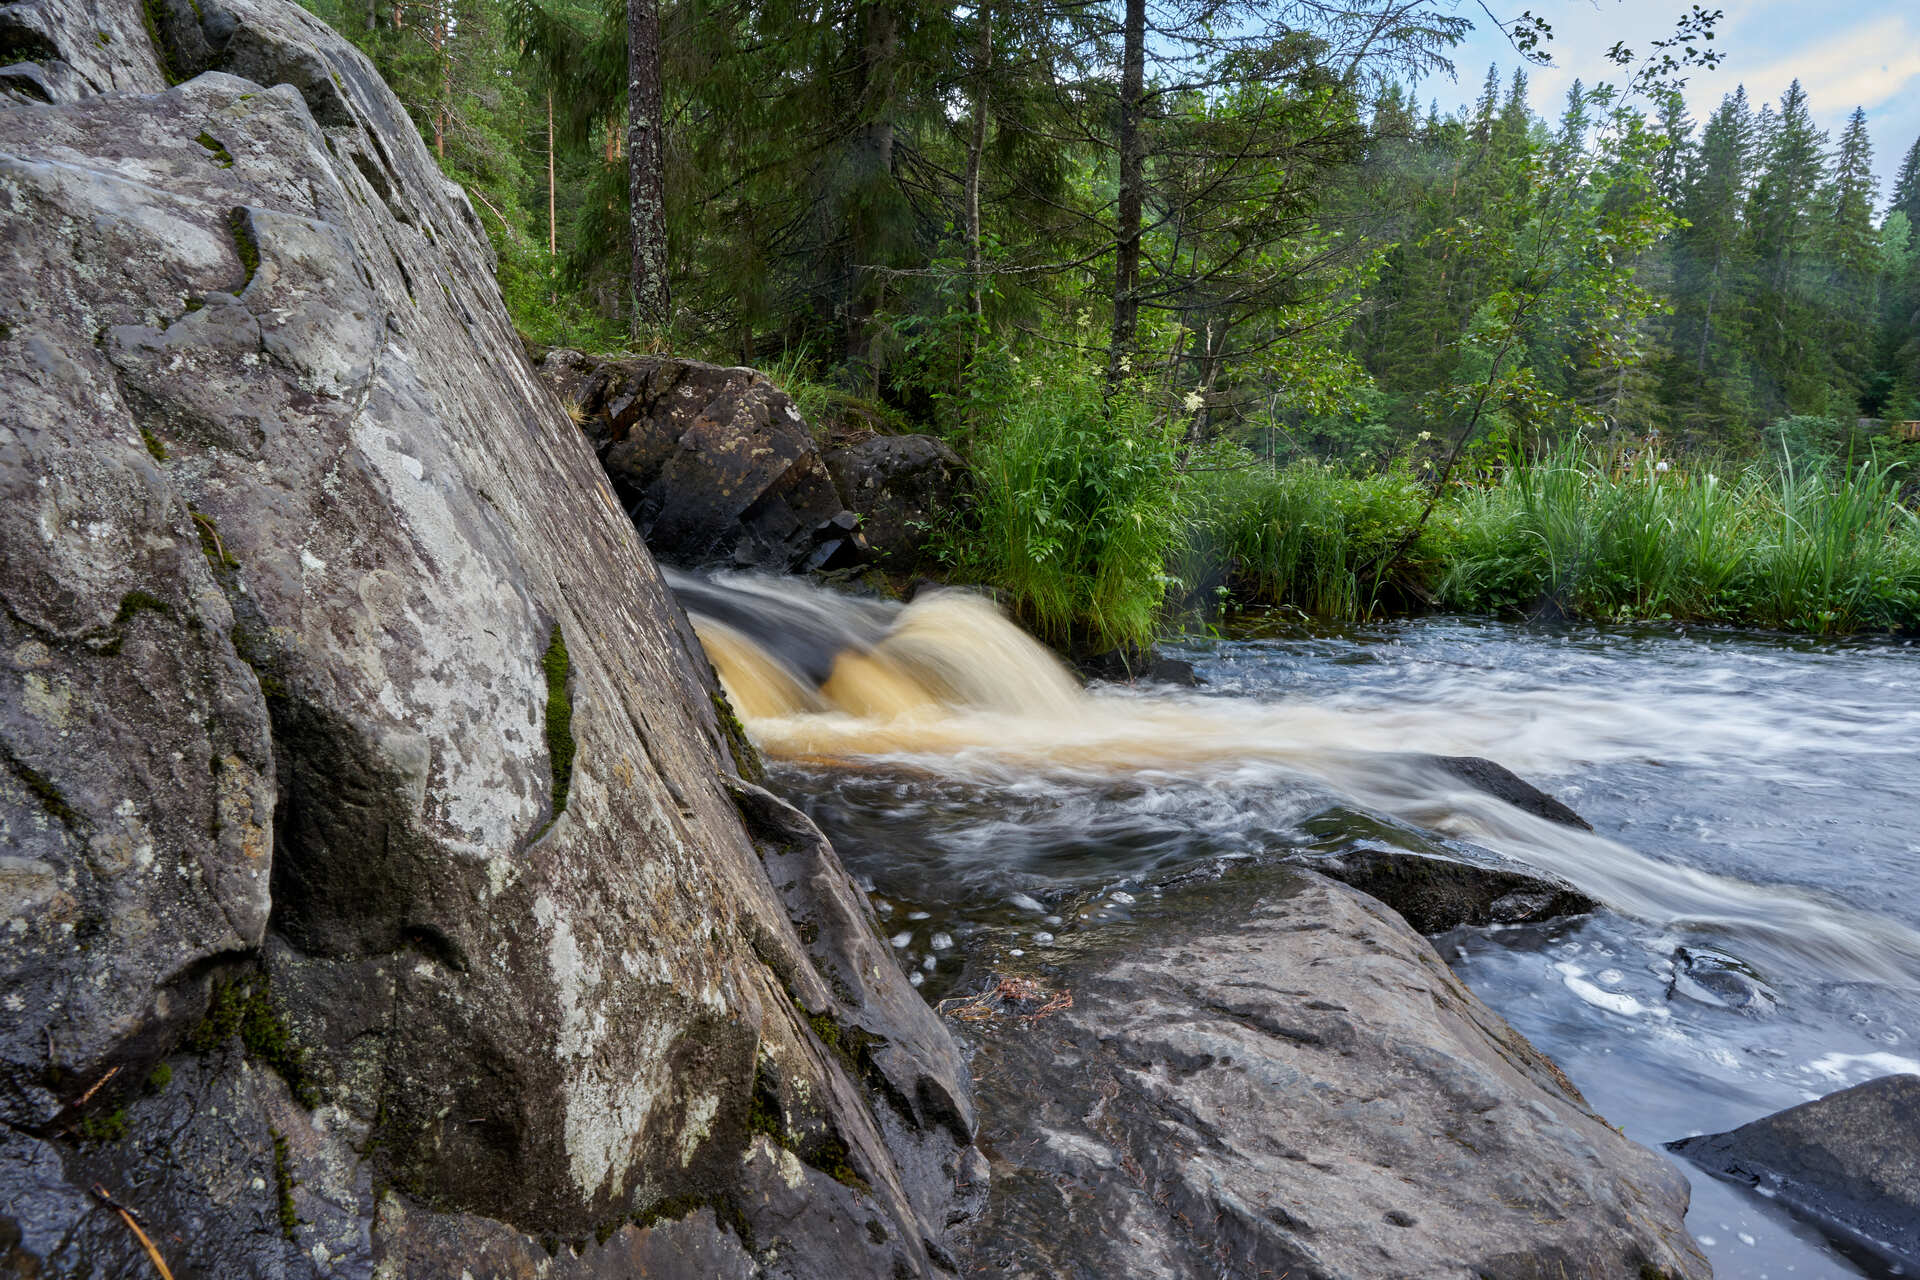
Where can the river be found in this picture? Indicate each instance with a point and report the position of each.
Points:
(1757, 839)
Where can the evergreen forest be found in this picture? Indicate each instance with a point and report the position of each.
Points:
(1217, 310)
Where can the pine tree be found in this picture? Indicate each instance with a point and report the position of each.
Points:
(1906, 189)
(1797, 371)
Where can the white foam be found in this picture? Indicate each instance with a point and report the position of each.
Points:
(1837, 1066)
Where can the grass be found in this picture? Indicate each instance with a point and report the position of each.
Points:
(1090, 535)
(1822, 550)
(1078, 497)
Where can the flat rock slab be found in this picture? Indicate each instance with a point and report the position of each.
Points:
(1274, 1075)
(1849, 1162)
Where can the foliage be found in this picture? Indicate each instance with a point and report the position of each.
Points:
(1078, 499)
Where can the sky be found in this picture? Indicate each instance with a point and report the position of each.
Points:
(1865, 53)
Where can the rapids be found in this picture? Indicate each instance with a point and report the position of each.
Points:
(1755, 848)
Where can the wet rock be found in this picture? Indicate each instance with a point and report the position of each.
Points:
(904, 487)
(1271, 1074)
(1125, 666)
(1437, 892)
(371, 880)
(1502, 783)
(714, 465)
(1848, 1162)
(717, 466)
(1720, 980)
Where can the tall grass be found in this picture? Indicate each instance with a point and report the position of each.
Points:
(1821, 550)
(1078, 499)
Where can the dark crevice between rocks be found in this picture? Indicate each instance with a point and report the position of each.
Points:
(166, 50)
(245, 243)
(21, 43)
(555, 665)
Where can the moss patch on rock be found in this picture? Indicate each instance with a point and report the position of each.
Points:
(244, 243)
(243, 1008)
(559, 717)
(221, 156)
(746, 759)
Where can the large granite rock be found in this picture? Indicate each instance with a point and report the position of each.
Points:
(717, 466)
(1848, 1162)
(374, 895)
(1273, 1075)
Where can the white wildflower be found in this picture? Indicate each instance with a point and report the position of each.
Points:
(1424, 436)
(1193, 401)
(1660, 465)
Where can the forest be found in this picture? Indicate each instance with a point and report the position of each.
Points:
(1219, 314)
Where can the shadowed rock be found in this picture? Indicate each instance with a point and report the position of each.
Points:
(1848, 1162)
(1270, 1074)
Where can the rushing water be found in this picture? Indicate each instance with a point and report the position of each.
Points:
(1757, 842)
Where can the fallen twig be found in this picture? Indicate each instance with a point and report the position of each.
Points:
(88, 1095)
(126, 1216)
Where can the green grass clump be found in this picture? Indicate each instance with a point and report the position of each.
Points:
(1078, 499)
(1823, 550)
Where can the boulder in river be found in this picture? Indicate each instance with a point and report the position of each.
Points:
(1848, 1162)
(1271, 1074)
(717, 466)
(375, 898)
(1440, 892)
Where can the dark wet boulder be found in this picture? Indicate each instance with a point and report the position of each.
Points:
(375, 899)
(1130, 666)
(1437, 892)
(1270, 1074)
(713, 464)
(1504, 784)
(904, 488)
(1848, 1162)
(1720, 981)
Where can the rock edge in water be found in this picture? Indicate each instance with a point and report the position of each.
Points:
(1848, 1162)
(1307, 1090)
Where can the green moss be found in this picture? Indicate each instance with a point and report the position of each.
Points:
(559, 718)
(746, 760)
(6, 331)
(154, 444)
(221, 156)
(159, 1078)
(283, 1184)
(243, 1008)
(151, 14)
(192, 305)
(725, 1211)
(245, 244)
(102, 39)
(41, 788)
(135, 602)
(110, 1126)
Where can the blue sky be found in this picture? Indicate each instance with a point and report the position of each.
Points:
(1863, 54)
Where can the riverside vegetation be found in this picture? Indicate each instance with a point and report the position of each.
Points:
(1216, 313)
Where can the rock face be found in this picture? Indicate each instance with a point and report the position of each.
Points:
(1308, 1092)
(375, 895)
(904, 487)
(1849, 1162)
(717, 466)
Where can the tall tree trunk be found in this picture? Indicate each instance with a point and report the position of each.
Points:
(646, 166)
(553, 235)
(442, 25)
(872, 178)
(976, 144)
(1132, 200)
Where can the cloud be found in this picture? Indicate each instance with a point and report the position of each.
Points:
(1864, 65)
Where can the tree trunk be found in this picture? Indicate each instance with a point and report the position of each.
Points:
(443, 22)
(976, 144)
(871, 179)
(646, 166)
(1132, 199)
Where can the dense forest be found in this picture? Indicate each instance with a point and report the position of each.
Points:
(1123, 253)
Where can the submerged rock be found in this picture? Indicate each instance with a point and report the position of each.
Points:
(1437, 893)
(1504, 784)
(1720, 980)
(375, 895)
(1273, 1075)
(1848, 1162)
